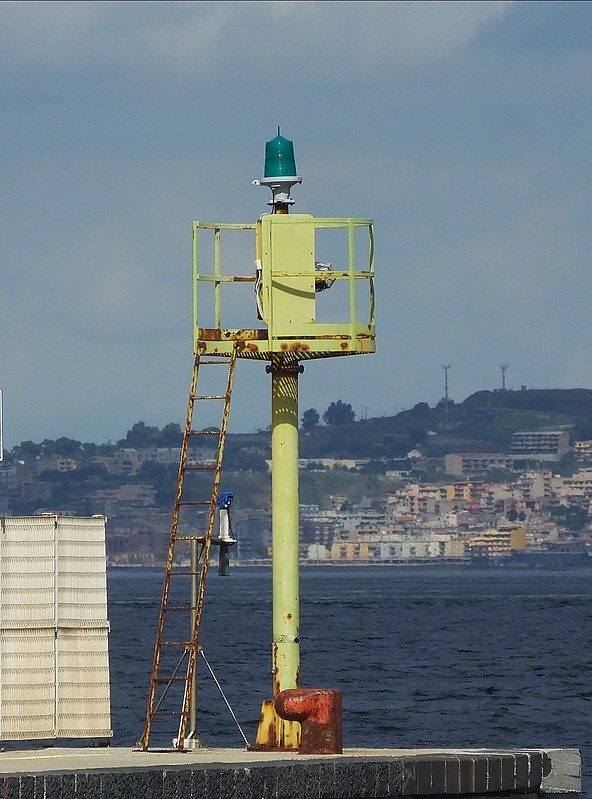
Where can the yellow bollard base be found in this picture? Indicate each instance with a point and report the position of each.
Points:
(274, 733)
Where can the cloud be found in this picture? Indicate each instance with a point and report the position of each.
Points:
(51, 34)
(109, 286)
(125, 121)
(327, 41)
(543, 29)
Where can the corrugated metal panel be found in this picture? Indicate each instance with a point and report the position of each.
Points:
(54, 659)
(83, 691)
(27, 684)
(27, 569)
(81, 572)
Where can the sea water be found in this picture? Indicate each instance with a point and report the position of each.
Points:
(424, 657)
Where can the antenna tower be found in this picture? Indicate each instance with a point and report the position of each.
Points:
(446, 367)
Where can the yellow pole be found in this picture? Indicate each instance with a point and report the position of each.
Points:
(284, 502)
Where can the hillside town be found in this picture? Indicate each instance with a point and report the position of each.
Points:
(468, 515)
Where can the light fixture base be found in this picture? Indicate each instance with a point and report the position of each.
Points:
(280, 188)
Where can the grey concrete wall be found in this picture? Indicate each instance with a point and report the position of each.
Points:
(491, 774)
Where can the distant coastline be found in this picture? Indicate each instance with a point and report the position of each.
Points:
(558, 561)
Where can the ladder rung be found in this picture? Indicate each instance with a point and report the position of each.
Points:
(175, 643)
(165, 713)
(204, 432)
(199, 538)
(210, 363)
(209, 396)
(200, 468)
(183, 574)
(171, 679)
(195, 502)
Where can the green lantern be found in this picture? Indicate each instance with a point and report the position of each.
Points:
(279, 158)
(280, 172)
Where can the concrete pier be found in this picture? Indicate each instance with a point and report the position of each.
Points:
(111, 773)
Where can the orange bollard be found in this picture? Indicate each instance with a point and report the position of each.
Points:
(319, 712)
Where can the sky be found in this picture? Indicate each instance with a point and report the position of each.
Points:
(463, 129)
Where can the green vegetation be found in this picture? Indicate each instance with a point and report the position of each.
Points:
(310, 419)
(338, 413)
(29, 451)
(570, 518)
(142, 436)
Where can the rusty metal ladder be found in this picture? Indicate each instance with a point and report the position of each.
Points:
(172, 682)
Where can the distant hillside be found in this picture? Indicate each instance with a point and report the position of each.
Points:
(484, 422)
(569, 402)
